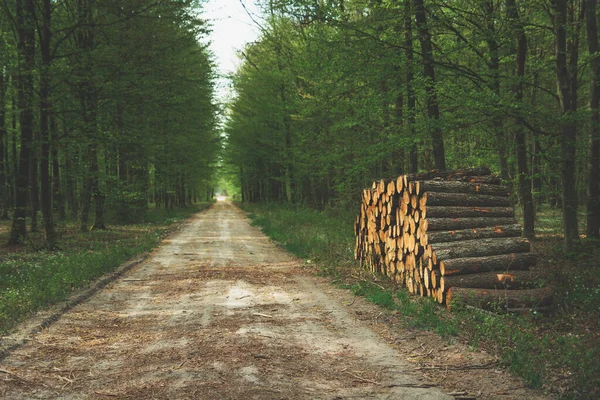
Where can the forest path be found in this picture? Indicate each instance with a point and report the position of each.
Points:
(216, 312)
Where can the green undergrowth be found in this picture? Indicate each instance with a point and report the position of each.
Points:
(417, 313)
(31, 279)
(556, 351)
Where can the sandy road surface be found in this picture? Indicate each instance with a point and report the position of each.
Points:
(217, 312)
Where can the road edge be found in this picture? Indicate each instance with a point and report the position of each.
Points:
(43, 319)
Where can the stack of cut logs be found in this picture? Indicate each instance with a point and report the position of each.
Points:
(449, 235)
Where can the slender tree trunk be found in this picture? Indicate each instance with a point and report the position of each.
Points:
(4, 187)
(433, 110)
(14, 156)
(71, 183)
(536, 171)
(26, 50)
(494, 66)
(120, 110)
(593, 189)
(86, 195)
(536, 156)
(99, 197)
(85, 40)
(521, 146)
(46, 187)
(564, 76)
(398, 152)
(410, 91)
(57, 188)
(287, 156)
(34, 192)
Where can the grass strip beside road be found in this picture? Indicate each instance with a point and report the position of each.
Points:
(31, 280)
(558, 352)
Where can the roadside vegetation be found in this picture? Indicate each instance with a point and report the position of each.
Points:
(557, 351)
(31, 278)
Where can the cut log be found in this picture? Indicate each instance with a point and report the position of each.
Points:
(499, 263)
(461, 174)
(474, 233)
(446, 224)
(498, 299)
(480, 248)
(463, 199)
(469, 211)
(492, 280)
(463, 187)
(428, 231)
(489, 179)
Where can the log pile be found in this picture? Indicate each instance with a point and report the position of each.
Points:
(449, 235)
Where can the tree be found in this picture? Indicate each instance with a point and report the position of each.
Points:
(524, 182)
(593, 189)
(25, 17)
(566, 49)
(45, 110)
(4, 186)
(124, 94)
(433, 110)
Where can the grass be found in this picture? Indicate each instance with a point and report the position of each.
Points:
(31, 280)
(557, 351)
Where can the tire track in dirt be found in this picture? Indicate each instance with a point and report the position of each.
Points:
(217, 312)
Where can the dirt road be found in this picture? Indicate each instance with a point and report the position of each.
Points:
(217, 312)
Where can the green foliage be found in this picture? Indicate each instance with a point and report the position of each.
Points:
(333, 95)
(133, 118)
(536, 355)
(305, 232)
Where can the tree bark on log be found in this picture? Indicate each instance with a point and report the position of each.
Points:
(480, 248)
(446, 224)
(462, 187)
(457, 175)
(499, 263)
(466, 212)
(492, 280)
(462, 199)
(474, 233)
(494, 299)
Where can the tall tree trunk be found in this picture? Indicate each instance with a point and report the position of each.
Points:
(398, 152)
(494, 67)
(71, 182)
(287, 155)
(57, 188)
(97, 190)
(564, 77)
(593, 189)
(85, 40)
(521, 146)
(536, 154)
(26, 49)
(14, 154)
(536, 171)
(410, 91)
(86, 194)
(4, 187)
(46, 186)
(34, 192)
(433, 109)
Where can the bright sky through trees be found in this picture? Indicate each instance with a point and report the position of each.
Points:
(232, 29)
